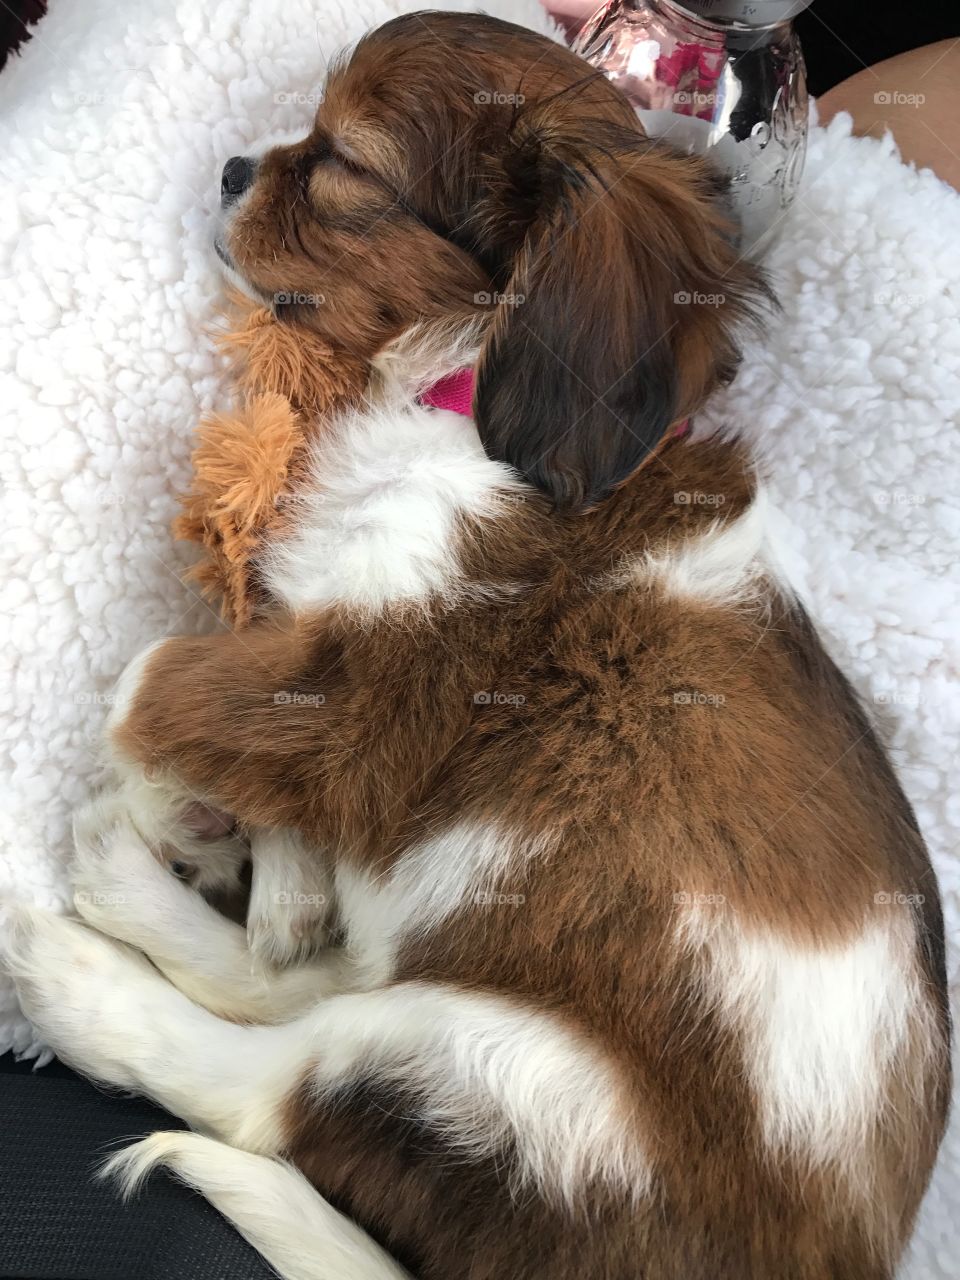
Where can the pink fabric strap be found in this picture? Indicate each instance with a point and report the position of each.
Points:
(453, 392)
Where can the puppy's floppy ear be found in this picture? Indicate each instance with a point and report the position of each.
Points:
(620, 313)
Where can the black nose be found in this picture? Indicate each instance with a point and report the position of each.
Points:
(237, 176)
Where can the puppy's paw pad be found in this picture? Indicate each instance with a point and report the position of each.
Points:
(285, 930)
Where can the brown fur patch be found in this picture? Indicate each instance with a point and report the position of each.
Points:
(774, 797)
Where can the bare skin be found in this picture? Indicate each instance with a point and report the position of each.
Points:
(916, 97)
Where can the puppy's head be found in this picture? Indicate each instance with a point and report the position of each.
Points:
(462, 170)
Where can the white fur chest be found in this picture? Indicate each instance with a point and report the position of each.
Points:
(377, 520)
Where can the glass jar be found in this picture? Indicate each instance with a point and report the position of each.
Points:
(724, 78)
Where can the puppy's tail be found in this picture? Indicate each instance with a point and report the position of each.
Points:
(272, 1206)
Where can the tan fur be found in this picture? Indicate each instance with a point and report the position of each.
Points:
(248, 460)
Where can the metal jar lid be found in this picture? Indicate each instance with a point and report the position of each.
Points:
(745, 13)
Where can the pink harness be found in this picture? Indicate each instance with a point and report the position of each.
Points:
(454, 392)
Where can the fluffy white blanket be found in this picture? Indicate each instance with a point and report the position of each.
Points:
(118, 120)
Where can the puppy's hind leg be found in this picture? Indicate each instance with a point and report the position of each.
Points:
(106, 1011)
(270, 1203)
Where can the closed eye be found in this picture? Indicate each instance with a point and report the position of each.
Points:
(326, 153)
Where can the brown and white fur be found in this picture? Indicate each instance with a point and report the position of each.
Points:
(637, 959)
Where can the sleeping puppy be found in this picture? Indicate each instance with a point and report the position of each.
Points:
(638, 963)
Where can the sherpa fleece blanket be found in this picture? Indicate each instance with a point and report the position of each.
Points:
(116, 121)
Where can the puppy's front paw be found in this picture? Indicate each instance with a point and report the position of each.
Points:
(290, 899)
(283, 928)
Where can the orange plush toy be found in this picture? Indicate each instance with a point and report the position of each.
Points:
(249, 460)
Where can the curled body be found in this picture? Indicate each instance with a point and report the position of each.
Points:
(633, 957)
